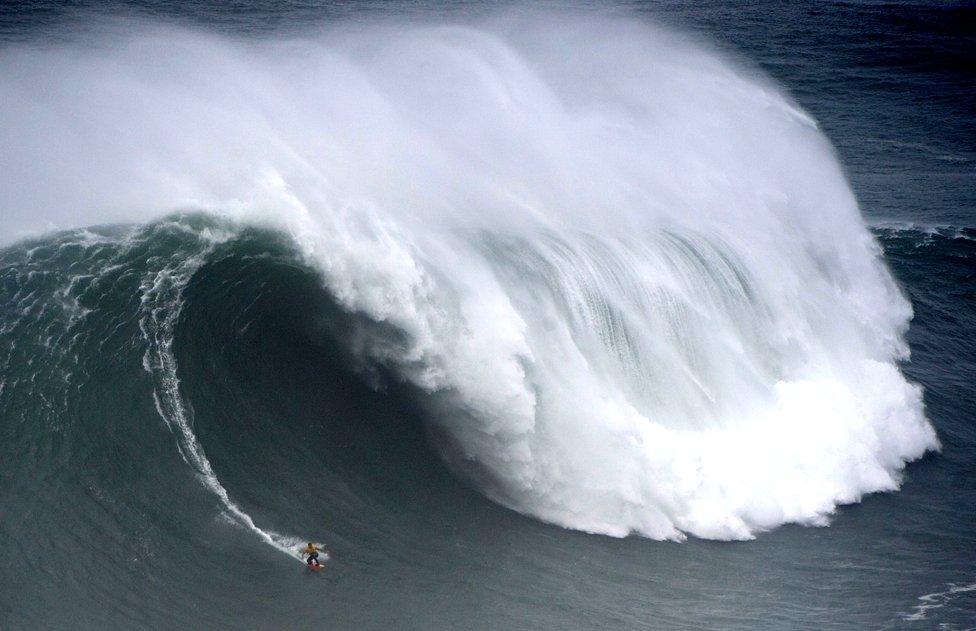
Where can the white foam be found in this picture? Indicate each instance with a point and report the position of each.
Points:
(937, 600)
(631, 274)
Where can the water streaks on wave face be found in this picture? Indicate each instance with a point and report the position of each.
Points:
(630, 276)
(162, 302)
(51, 281)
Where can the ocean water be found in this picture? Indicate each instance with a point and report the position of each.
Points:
(646, 315)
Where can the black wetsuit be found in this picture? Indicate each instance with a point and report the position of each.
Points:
(313, 557)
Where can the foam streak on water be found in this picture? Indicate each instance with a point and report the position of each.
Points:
(937, 600)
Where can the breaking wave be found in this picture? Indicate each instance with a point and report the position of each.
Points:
(628, 275)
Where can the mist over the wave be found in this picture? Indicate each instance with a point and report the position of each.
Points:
(630, 275)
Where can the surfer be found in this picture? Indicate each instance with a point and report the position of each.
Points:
(313, 554)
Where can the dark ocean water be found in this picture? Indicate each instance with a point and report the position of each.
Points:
(128, 350)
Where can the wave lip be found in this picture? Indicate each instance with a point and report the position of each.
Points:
(629, 274)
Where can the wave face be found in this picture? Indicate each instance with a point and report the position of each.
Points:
(629, 276)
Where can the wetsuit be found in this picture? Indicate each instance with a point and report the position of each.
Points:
(313, 555)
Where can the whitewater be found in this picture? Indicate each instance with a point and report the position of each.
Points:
(627, 272)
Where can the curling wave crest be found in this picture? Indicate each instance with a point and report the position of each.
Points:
(628, 274)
